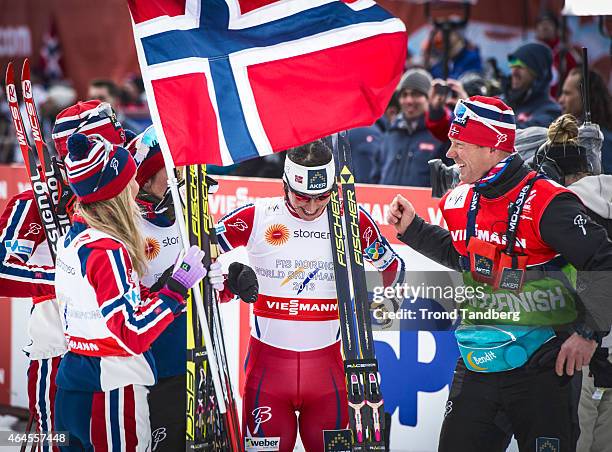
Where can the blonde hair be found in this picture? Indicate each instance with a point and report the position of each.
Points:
(563, 130)
(119, 217)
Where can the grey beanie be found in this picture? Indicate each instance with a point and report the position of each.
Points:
(416, 79)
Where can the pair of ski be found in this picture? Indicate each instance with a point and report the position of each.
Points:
(212, 418)
(52, 195)
(366, 415)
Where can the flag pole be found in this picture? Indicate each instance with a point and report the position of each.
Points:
(197, 295)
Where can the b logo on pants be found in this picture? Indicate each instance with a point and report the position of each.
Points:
(261, 414)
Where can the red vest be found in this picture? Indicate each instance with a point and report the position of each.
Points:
(492, 218)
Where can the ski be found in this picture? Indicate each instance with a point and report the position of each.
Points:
(366, 403)
(211, 411)
(200, 411)
(211, 303)
(348, 335)
(59, 191)
(39, 187)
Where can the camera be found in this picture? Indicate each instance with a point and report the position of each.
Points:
(443, 178)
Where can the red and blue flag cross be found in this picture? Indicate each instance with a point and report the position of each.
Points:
(217, 36)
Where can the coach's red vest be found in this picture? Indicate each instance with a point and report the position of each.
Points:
(540, 302)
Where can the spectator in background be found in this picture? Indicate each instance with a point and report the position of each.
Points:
(463, 56)
(107, 91)
(59, 96)
(133, 92)
(595, 191)
(365, 145)
(528, 93)
(601, 108)
(7, 134)
(268, 166)
(443, 97)
(393, 108)
(547, 31)
(408, 144)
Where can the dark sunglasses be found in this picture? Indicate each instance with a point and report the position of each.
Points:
(302, 197)
(103, 111)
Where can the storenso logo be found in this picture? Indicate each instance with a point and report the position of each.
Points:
(262, 444)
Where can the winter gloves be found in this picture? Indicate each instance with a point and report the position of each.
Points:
(216, 277)
(188, 271)
(242, 281)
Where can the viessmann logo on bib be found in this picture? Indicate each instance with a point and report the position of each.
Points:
(295, 307)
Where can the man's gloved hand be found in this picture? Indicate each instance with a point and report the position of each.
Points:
(215, 276)
(242, 281)
(381, 309)
(601, 368)
(188, 271)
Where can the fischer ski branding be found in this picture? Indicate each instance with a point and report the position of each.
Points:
(209, 238)
(366, 415)
(198, 434)
(212, 420)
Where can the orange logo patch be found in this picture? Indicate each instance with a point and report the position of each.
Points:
(277, 234)
(152, 248)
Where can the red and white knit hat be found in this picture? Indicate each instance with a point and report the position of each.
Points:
(97, 170)
(484, 121)
(87, 117)
(145, 149)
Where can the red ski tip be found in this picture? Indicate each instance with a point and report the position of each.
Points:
(10, 76)
(11, 92)
(25, 70)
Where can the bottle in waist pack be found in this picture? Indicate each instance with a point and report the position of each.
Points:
(490, 348)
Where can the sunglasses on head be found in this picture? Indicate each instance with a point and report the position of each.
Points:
(302, 197)
(462, 112)
(103, 111)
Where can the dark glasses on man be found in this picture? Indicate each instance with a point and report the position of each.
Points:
(302, 197)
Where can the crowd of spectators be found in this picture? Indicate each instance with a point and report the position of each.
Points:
(543, 81)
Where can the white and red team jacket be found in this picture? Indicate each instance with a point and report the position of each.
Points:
(26, 270)
(297, 306)
(108, 326)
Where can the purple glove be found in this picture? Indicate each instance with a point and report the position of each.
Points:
(188, 271)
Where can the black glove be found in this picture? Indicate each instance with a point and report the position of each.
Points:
(242, 281)
(601, 368)
(163, 279)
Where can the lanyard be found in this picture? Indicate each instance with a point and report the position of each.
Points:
(470, 228)
(515, 210)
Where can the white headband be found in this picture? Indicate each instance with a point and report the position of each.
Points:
(311, 180)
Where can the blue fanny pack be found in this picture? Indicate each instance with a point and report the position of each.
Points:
(490, 348)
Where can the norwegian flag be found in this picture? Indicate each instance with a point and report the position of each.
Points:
(51, 54)
(230, 80)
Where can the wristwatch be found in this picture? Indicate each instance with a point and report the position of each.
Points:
(585, 331)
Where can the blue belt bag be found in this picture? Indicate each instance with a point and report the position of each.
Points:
(489, 348)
